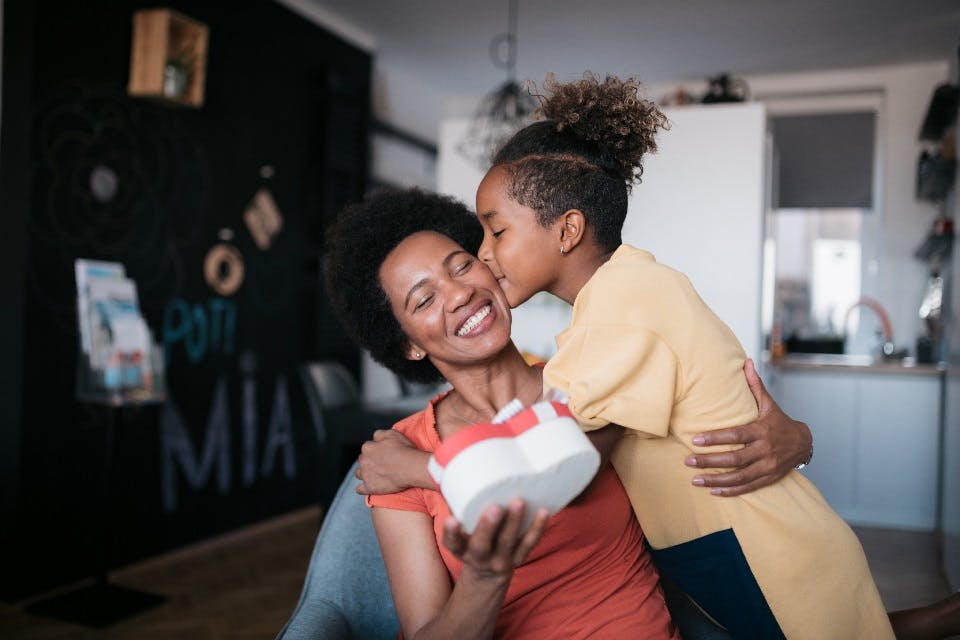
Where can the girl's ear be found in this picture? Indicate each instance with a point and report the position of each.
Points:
(573, 226)
(415, 353)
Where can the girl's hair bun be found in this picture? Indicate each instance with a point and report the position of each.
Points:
(610, 113)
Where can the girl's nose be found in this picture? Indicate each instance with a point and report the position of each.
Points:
(484, 253)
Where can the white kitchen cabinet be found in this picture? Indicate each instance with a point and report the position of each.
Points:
(950, 501)
(876, 440)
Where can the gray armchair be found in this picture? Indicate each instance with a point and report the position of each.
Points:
(345, 595)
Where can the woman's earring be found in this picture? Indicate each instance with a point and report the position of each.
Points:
(561, 249)
(419, 355)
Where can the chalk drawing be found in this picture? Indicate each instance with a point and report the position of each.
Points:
(249, 431)
(176, 447)
(177, 450)
(280, 434)
(202, 328)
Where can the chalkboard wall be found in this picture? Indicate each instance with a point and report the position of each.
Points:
(287, 110)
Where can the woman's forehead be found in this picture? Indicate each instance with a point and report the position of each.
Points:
(418, 254)
(426, 244)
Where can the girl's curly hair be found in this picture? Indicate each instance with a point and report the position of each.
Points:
(356, 245)
(585, 154)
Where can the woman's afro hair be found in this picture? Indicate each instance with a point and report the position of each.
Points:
(585, 154)
(356, 245)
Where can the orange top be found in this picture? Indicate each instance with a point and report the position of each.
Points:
(590, 576)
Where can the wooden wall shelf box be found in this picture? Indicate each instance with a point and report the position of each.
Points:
(163, 37)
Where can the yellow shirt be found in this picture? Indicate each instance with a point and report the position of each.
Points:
(644, 351)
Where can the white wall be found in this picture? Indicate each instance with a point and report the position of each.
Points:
(406, 100)
(901, 220)
(456, 175)
(321, 16)
(394, 162)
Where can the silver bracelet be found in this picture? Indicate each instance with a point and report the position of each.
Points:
(803, 465)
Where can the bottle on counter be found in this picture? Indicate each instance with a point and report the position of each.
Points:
(778, 348)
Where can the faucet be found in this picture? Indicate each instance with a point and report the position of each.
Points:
(887, 348)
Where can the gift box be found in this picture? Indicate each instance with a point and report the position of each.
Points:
(539, 455)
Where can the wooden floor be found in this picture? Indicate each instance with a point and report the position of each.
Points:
(243, 586)
(905, 566)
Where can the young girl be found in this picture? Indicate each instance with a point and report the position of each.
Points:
(645, 352)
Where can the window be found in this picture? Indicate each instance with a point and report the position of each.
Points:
(823, 160)
(820, 227)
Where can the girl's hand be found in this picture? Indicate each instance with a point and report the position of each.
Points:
(497, 545)
(773, 445)
(390, 463)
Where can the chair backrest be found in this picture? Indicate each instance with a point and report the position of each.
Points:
(334, 385)
(346, 594)
(328, 385)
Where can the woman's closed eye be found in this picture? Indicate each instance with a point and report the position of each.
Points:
(423, 303)
(463, 267)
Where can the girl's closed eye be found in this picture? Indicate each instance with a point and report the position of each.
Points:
(496, 234)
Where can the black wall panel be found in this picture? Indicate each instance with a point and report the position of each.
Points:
(236, 442)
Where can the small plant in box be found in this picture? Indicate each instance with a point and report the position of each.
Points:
(176, 73)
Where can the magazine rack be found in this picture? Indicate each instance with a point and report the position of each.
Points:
(101, 604)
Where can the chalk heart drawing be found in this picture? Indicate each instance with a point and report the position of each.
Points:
(540, 455)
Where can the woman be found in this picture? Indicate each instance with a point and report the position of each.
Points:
(428, 309)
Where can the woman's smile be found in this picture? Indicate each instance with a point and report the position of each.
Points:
(478, 322)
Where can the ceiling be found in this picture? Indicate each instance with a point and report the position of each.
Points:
(446, 42)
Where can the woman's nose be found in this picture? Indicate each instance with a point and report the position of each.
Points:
(458, 294)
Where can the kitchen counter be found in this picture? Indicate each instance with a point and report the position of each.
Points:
(877, 428)
(855, 364)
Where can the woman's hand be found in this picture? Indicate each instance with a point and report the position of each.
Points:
(498, 545)
(773, 445)
(390, 463)
(430, 606)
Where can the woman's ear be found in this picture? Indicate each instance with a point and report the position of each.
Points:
(415, 353)
(573, 226)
